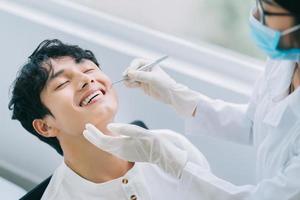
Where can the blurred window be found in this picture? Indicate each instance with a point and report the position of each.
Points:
(219, 22)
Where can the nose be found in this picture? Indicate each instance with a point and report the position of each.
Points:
(86, 84)
(85, 81)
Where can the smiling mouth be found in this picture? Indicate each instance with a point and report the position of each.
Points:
(89, 99)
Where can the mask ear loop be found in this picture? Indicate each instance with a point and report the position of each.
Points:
(260, 11)
(290, 30)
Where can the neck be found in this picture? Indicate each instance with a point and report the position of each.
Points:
(296, 79)
(90, 162)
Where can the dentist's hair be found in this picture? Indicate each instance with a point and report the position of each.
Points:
(25, 102)
(293, 6)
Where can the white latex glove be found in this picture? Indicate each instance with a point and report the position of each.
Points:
(167, 149)
(161, 86)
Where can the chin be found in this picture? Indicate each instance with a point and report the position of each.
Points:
(101, 119)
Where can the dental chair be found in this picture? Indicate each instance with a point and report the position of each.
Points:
(37, 192)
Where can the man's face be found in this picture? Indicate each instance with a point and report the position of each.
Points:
(76, 94)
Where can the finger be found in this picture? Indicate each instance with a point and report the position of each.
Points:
(127, 129)
(132, 79)
(121, 147)
(97, 133)
(140, 76)
(110, 144)
(91, 128)
(96, 137)
(145, 88)
(131, 84)
(135, 64)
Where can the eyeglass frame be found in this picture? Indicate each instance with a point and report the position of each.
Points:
(262, 13)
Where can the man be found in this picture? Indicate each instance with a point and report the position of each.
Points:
(57, 92)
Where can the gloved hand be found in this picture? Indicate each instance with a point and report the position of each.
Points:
(167, 149)
(161, 86)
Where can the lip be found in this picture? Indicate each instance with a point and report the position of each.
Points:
(89, 92)
(94, 100)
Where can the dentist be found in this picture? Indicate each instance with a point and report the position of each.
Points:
(270, 121)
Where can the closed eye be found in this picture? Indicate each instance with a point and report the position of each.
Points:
(60, 85)
(88, 70)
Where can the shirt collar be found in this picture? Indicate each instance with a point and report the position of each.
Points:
(78, 183)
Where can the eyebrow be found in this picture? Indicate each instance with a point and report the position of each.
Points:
(56, 74)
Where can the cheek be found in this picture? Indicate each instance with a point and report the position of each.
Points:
(115, 99)
(65, 114)
(280, 23)
(110, 105)
(69, 122)
(102, 78)
(105, 112)
(62, 101)
(114, 94)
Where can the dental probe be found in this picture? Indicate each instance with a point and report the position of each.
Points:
(145, 67)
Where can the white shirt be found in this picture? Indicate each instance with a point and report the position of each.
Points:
(143, 181)
(270, 122)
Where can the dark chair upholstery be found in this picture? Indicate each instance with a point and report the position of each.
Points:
(37, 192)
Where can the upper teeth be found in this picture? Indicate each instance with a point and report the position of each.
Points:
(87, 99)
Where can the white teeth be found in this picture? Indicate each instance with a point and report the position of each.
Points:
(87, 99)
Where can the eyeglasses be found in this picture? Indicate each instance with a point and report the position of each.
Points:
(263, 13)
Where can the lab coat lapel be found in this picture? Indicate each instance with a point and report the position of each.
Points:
(274, 116)
(279, 78)
(288, 109)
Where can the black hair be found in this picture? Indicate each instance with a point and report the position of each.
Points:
(291, 40)
(293, 6)
(25, 102)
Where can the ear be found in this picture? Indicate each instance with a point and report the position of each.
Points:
(41, 126)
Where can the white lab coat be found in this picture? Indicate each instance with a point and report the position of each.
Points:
(270, 122)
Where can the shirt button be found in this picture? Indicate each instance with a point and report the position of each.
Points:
(124, 180)
(133, 197)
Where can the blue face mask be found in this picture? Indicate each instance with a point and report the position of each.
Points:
(268, 40)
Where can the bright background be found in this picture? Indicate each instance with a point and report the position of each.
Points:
(209, 48)
(218, 22)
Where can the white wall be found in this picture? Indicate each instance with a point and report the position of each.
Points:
(115, 42)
